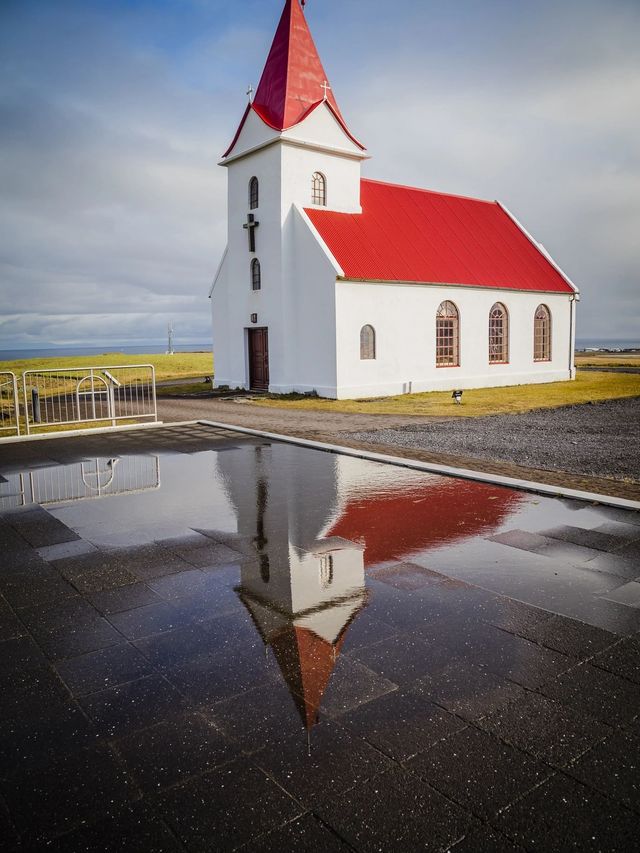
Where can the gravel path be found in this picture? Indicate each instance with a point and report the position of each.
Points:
(597, 439)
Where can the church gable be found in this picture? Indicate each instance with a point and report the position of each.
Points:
(321, 127)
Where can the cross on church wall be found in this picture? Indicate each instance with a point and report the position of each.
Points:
(250, 226)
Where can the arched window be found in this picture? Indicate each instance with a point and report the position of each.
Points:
(542, 334)
(498, 334)
(254, 193)
(319, 189)
(367, 343)
(447, 335)
(256, 275)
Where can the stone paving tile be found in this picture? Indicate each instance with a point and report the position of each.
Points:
(33, 740)
(332, 760)
(628, 594)
(8, 832)
(366, 630)
(177, 648)
(172, 751)
(232, 804)
(47, 803)
(401, 658)
(31, 692)
(304, 834)
(39, 528)
(77, 638)
(20, 654)
(135, 705)
(146, 621)
(137, 828)
(395, 811)
(545, 729)
(210, 555)
(123, 598)
(613, 768)
(43, 585)
(622, 659)
(401, 724)
(258, 718)
(631, 551)
(409, 576)
(64, 550)
(149, 561)
(10, 626)
(485, 840)
(172, 587)
(467, 690)
(563, 815)
(590, 690)
(212, 677)
(623, 530)
(519, 660)
(570, 637)
(352, 684)
(105, 668)
(593, 539)
(521, 539)
(616, 565)
(516, 617)
(479, 772)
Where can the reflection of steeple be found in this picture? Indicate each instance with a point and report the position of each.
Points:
(305, 628)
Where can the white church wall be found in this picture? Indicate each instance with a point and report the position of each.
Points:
(404, 318)
(343, 176)
(253, 134)
(309, 312)
(321, 128)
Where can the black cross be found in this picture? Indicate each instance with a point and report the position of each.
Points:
(251, 226)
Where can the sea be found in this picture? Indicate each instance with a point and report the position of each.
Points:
(60, 352)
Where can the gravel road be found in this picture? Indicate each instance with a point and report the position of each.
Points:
(597, 439)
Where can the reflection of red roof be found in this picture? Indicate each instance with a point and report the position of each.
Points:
(291, 86)
(413, 235)
(392, 526)
(306, 662)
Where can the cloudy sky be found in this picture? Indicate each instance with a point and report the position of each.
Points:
(113, 114)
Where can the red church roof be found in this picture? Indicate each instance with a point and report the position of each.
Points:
(422, 518)
(414, 235)
(292, 83)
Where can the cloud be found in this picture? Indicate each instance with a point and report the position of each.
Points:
(113, 115)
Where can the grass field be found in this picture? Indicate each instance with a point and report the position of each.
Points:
(182, 365)
(483, 401)
(607, 359)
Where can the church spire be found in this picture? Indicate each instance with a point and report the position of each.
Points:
(293, 80)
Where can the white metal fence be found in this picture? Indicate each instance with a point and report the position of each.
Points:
(9, 406)
(89, 395)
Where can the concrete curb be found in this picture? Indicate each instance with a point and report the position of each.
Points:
(434, 468)
(71, 433)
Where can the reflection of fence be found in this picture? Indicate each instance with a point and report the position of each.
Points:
(9, 409)
(80, 481)
(89, 395)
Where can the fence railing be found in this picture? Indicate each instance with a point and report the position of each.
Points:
(89, 395)
(80, 481)
(9, 405)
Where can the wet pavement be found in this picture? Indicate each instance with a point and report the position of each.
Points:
(210, 642)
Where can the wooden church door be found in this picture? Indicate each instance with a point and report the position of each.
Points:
(259, 359)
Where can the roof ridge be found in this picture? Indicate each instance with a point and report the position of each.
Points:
(428, 191)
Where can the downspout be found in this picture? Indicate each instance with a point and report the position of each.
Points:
(572, 303)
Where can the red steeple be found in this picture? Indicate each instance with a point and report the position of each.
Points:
(294, 81)
(293, 78)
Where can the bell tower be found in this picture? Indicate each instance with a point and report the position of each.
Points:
(292, 149)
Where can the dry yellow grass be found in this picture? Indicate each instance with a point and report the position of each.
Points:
(607, 359)
(484, 401)
(178, 366)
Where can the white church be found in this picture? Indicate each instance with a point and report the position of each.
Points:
(350, 287)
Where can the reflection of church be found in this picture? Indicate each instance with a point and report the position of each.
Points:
(303, 589)
(315, 520)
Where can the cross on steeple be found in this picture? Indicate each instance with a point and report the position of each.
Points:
(250, 226)
(326, 88)
(250, 92)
